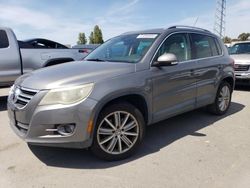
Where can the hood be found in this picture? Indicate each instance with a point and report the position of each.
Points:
(241, 58)
(74, 73)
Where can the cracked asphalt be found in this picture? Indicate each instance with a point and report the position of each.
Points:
(195, 149)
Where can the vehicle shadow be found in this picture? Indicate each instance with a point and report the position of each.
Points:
(158, 136)
(3, 103)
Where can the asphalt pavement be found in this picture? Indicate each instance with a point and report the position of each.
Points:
(195, 149)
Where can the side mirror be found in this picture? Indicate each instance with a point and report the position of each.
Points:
(167, 59)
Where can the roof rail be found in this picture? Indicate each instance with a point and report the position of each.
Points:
(188, 27)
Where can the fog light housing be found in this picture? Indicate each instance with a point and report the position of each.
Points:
(66, 129)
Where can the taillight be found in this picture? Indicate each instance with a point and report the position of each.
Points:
(84, 51)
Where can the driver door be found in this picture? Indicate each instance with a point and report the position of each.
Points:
(174, 87)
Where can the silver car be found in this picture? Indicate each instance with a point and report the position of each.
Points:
(240, 52)
(133, 80)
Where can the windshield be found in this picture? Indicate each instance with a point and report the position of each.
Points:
(241, 48)
(125, 48)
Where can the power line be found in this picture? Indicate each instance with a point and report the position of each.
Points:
(220, 18)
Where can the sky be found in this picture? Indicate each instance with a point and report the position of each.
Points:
(62, 20)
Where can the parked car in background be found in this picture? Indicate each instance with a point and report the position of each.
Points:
(41, 43)
(86, 48)
(240, 52)
(20, 57)
(133, 80)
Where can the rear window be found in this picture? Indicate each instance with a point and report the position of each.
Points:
(4, 42)
(204, 46)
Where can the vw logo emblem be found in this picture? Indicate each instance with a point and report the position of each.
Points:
(16, 93)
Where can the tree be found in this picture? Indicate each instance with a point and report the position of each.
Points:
(227, 39)
(98, 39)
(244, 36)
(96, 36)
(91, 38)
(81, 39)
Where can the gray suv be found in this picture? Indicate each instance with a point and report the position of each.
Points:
(133, 80)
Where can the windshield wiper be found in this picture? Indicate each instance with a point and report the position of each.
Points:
(96, 59)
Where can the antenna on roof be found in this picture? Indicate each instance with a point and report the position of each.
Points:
(196, 21)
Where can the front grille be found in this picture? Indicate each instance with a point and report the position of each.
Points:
(23, 128)
(22, 96)
(241, 67)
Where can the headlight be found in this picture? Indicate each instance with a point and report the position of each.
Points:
(67, 95)
(11, 91)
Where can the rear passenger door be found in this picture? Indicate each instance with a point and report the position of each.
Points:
(174, 87)
(206, 51)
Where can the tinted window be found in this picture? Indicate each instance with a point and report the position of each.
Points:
(4, 43)
(240, 48)
(118, 49)
(125, 48)
(143, 47)
(177, 44)
(204, 46)
(218, 46)
(213, 46)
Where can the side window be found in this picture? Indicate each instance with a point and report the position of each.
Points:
(218, 46)
(177, 44)
(213, 46)
(204, 46)
(201, 46)
(4, 42)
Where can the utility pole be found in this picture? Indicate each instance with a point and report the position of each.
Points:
(220, 18)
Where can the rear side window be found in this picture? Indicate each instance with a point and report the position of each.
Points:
(4, 42)
(204, 46)
(218, 46)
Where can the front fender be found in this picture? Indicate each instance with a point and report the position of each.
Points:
(116, 95)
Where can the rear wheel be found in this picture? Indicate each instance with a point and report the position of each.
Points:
(223, 99)
(119, 131)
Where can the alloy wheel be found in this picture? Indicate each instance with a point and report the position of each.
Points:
(224, 98)
(118, 132)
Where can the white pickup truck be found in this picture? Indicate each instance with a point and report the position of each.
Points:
(20, 57)
(240, 52)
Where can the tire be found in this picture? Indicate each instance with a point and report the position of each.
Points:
(119, 131)
(217, 107)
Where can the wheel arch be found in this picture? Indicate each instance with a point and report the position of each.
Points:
(136, 99)
(230, 80)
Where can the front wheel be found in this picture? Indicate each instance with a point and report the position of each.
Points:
(119, 131)
(223, 99)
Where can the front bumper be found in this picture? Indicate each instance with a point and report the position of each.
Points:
(242, 75)
(242, 78)
(34, 123)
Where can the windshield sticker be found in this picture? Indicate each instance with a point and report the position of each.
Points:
(146, 36)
